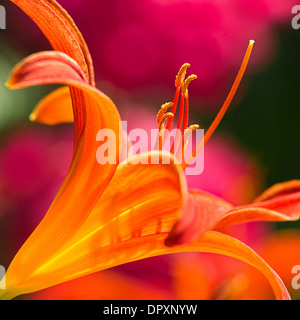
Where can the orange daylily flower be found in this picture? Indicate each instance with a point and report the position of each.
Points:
(110, 214)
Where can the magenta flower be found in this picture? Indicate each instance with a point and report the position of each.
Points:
(140, 38)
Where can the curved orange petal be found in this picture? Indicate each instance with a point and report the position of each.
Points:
(152, 244)
(280, 189)
(279, 203)
(251, 214)
(202, 212)
(60, 30)
(46, 67)
(64, 36)
(86, 179)
(141, 199)
(55, 108)
(215, 242)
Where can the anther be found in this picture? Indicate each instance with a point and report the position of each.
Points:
(162, 111)
(186, 83)
(163, 119)
(193, 127)
(181, 75)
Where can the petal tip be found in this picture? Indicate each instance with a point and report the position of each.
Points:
(8, 84)
(32, 117)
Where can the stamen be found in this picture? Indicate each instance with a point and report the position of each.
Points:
(191, 129)
(173, 110)
(161, 129)
(186, 95)
(163, 119)
(186, 111)
(187, 81)
(184, 86)
(225, 106)
(184, 103)
(183, 113)
(181, 109)
(178, 83)
(180, 118)
(185, 139)
(162, 111)
(181, 75)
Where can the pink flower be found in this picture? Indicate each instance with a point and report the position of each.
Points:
(135, 40)
(33, 163)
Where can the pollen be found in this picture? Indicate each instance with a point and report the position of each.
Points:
(181, 75)
(193, 127)
(163, 119)
(162, 111)
(186, 83)
(181, 98)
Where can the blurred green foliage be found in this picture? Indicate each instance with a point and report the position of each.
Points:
(16, 105)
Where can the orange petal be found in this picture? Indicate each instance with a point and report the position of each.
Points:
(201, 213)
(46, 67)
(64, 36)
(279, 203)
(219, 243)
(55, 108)
(60, 30)
(53, 67)
(140, 200)
(229, 246)
(152, 244)
(86, 179)
(280, 189)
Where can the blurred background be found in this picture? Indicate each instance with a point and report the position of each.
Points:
(138, 47)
